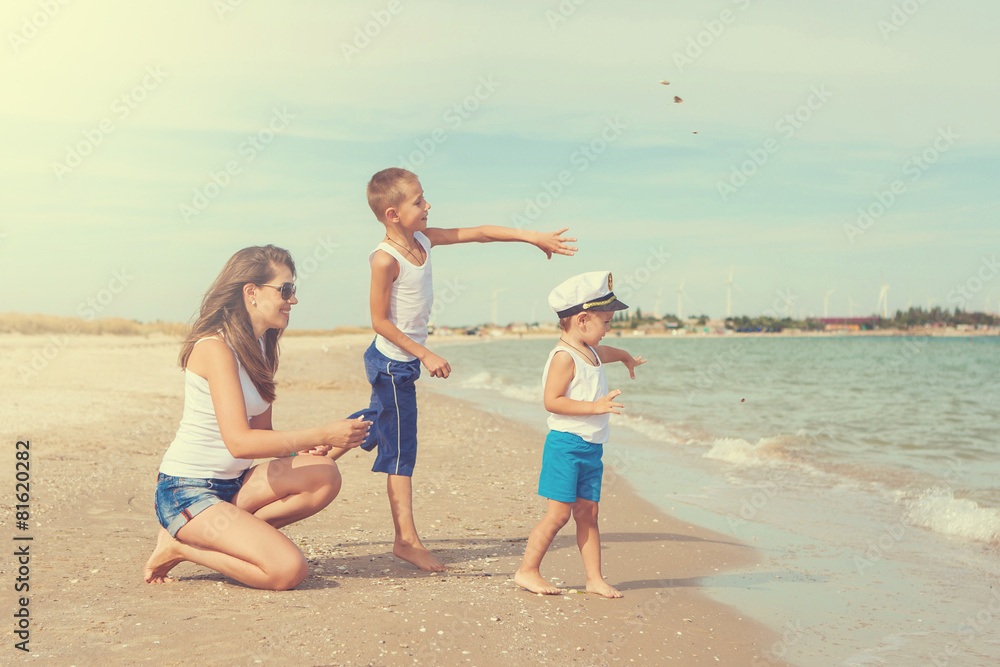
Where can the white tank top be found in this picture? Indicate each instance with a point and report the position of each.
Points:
(198, 449)
(411, 299)
(588, 384)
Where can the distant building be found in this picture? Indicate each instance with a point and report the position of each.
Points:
(848, 323)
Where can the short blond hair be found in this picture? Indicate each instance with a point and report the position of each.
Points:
(385, 189)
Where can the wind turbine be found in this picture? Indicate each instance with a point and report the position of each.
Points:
(850, 306)
(680, 302)
(883, 299)
(656, 306)
(495, 292)
(826, 302)
(729, 293)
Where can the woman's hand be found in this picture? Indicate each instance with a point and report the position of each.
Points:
(344, 434)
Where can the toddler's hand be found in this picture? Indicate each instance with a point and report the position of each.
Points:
(436, 366)
(607, 404)
(631, 362)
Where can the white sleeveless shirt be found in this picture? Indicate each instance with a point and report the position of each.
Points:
(411, 299)
(588, 384)
(198, 450)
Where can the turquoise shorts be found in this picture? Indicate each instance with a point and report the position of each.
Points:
(571, 468)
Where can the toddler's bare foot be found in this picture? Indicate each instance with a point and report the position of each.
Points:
(417, 554)
(601, 587)
(534, 582)
(165, 556)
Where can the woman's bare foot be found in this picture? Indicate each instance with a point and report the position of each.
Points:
(601, 587)
(534, 582)
(418, 555)
(165, 556)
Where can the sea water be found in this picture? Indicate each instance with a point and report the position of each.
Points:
(865, 468)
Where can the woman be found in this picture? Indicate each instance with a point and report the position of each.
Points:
(216, 510)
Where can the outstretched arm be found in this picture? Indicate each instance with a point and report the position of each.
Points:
(385, 270)
(551, 243)
(607, 354)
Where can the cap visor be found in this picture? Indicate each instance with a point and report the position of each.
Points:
(614, 305)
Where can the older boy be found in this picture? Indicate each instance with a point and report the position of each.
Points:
(400, 300)
(580, 406)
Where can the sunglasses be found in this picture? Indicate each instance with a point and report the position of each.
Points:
(287, 290)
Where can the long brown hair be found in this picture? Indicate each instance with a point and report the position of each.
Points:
(224, 309)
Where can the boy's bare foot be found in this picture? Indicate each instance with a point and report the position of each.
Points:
(601, 587)
(165, 556)
(534, 582)
(417, 554)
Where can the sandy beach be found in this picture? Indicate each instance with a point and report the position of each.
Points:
(99, 411)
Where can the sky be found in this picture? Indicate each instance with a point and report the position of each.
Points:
(821, 151)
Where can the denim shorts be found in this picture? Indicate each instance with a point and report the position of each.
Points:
(394, 406)
(180, 499)
(571, 468)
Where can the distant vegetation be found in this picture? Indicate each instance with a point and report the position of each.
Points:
(913, 318)
(33, 324)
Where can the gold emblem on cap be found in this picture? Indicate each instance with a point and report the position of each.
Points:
(609, 281)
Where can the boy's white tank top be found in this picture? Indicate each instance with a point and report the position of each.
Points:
(411, 298)
(588, 384)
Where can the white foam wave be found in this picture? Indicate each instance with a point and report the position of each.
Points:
(939, 510)
(651, 428)
(490, 382)
(737, 450)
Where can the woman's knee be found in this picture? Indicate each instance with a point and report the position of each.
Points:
(330, 481)
(288, 574)
(321, 479)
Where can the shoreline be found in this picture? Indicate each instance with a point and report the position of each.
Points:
(101, 412)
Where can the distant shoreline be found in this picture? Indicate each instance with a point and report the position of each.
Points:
(24, 324)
